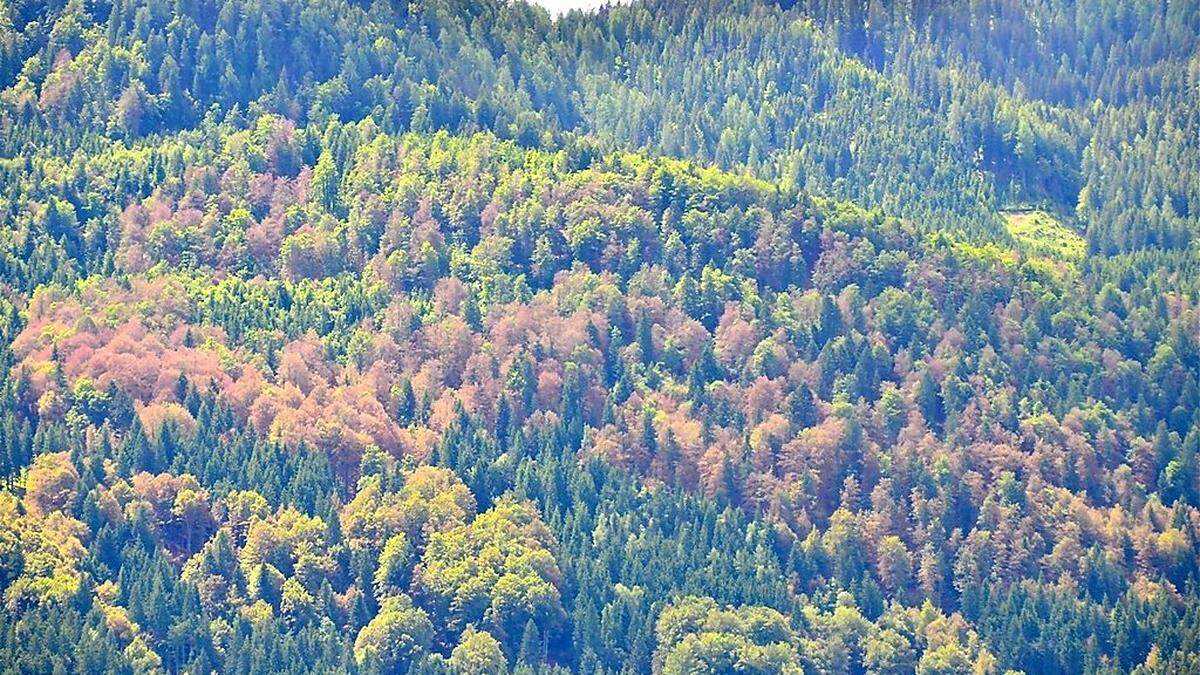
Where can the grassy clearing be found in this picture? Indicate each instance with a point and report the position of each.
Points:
(1042, 234)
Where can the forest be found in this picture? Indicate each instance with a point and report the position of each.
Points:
(450, 336)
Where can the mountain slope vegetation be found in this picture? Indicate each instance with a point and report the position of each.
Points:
(444, 337)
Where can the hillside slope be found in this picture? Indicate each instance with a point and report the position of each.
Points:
(444, 338)
(905, 114)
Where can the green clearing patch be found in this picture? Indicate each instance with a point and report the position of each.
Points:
(1040, 233)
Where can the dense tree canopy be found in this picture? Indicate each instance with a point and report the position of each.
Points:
(445, 337)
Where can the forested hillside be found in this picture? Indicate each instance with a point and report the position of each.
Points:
(445, 337)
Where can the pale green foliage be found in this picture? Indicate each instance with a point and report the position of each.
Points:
(292, 543)
(696, 635)
(902, 639)
(395, 563)
(397, 635)
(498, 571)
(478, 653)
(431, 500)
(39, 556)
(1043, 234)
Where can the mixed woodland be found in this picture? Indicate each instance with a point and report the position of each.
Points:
(444, 336)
